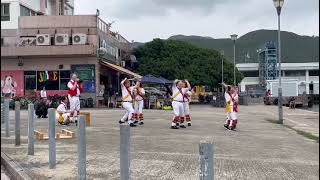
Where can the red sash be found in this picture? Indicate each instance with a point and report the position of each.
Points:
(183, 96)
(235, 104)
(140, 94)
(129, 93)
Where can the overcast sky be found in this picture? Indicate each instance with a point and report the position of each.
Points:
(143, 20)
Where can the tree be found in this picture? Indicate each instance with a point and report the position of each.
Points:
(179, 60)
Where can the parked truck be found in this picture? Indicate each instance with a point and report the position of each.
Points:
(290, 93)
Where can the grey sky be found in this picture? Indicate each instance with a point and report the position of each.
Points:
(143, 20)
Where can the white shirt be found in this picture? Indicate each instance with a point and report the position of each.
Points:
(62, 108)
(70, 86)
(43, 94)
(142, 92)
(124, 91)
(176, 94)
(228, 98)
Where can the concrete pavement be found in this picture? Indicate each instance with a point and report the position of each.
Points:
(257, 150)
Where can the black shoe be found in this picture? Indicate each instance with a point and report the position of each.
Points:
(232, 128)
(189, 124)
(135, 122)
(121, 122)
(132, 125)
(174, 127)
(226, 126)
(182, 126)
(141, 123)
(177, 124)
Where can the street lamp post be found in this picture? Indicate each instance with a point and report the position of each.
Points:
(278, 5)
(222, 53)
(234, 38)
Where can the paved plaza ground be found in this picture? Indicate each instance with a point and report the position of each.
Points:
(258, 150)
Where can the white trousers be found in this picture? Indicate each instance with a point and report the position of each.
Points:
(138, 106)
(186, 108)
(232, 116)
(129, 112)
(74, 103)
(64, 115)
(178, 108)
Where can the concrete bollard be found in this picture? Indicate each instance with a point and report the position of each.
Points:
(82, 148)
(52, 138)
(6, 117)
(17, 123)
(206, 160)
(124, 152)
(2, 113)
(30, 129)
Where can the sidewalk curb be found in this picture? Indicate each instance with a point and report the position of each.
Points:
(14, 169)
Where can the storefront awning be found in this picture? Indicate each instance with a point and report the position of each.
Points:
(120, 69)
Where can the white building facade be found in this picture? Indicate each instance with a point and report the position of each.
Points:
(307, 75)
(12, 9)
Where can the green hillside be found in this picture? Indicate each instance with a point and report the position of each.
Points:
(295, 48)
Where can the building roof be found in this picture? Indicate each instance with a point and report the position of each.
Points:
(120, 69)
(284, 66)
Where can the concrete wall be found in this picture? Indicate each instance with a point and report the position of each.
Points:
(14, 13)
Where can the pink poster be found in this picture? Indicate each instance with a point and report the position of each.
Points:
(12, 83)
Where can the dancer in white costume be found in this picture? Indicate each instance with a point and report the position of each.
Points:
(73, 95)
(62, 113)
(231, 96)
(127, 99)
(186, 104)
(178, 97)
(138, 103)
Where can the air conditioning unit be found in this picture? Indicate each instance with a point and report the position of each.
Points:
(61, 39)
(43, 40)
(123, 63)
(79, 38)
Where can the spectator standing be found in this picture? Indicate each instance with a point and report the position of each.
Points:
(43, 93)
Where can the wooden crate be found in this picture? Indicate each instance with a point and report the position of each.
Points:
(87, 115)
(64, 134)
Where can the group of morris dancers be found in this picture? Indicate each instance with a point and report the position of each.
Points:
(133, 98)
(132, 102)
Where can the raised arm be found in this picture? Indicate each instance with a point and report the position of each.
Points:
(188, 84)
(175, 84)
(122, 82)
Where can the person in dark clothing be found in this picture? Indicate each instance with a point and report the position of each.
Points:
(169, 91)
(42, 108)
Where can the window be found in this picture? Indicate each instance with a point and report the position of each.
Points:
(24, 11)
(64, 79)
(30, 80)
(46, 3)
(295, 73)
(313, 72)
(5, 12)
(48, 79)
(2, 41)
(250, 73)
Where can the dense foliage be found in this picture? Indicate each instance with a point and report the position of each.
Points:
(295, 48)
(179, 60)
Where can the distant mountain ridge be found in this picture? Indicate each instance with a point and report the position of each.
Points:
(294, 48)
